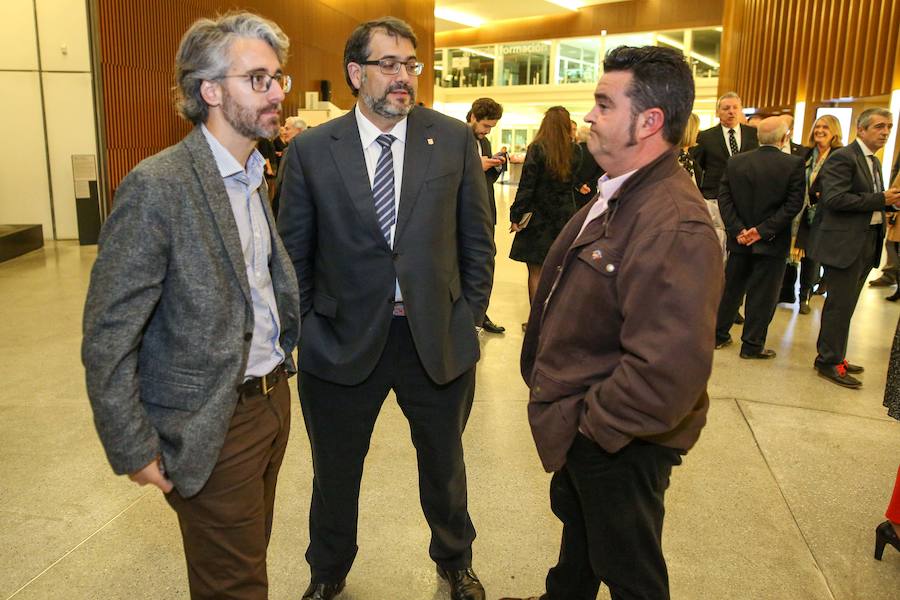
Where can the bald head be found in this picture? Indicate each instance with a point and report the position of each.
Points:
(771, 131)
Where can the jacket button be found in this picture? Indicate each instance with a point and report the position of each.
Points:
(248, 336)
(395, 256)
(610, 268)
(537, 389)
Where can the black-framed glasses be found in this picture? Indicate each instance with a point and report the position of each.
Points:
(391, 66)
(261, 81)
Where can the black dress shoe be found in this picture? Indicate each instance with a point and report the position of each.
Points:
(464, 584)
(838, 374)
(804, 307)
(323, 591)
(851, 368)
(885, 534)
(762, 354)
(894, 297)
(882, 282)
(739, 319)
(491, 327)
(724, 343)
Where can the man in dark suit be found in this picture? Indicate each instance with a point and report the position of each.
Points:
(848, 233)
(386, 216)
(482, 118)
(760, 194)
(720, 142)
(192, 312)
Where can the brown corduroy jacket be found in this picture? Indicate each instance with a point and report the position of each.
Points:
(621, 334)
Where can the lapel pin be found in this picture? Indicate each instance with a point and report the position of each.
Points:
(430, 141)
(596, 255)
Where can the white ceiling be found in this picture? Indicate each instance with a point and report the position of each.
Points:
(498, 10)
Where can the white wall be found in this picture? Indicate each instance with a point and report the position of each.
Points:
(66, 105)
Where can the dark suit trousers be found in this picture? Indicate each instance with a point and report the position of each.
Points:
(226, 526)
(844, 286)
(612, 509)
(340, 419)
(760, 277)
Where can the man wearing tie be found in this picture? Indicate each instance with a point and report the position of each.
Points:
(849, 231)
(720, 142)
(385, 215)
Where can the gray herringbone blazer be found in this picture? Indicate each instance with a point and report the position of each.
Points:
(168, 318)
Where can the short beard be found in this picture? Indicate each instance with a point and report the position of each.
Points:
(382, 106)
(246, 121)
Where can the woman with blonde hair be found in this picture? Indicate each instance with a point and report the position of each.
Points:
(545, 199)
(824, 136)
(688, 140)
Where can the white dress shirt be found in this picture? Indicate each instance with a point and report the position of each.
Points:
(877, 217)
(606, 188)
(368, 133)
(737, 137)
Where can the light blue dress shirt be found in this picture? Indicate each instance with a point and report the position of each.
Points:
(242, 187)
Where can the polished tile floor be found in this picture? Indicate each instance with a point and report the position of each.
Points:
(778, 500)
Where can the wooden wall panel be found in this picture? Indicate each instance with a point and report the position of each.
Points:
(779, 52)
(138, 40)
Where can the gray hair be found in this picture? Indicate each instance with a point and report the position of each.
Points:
(203, 55)
(771, 131)
(865, 117)
(726, 96)
(295, 123)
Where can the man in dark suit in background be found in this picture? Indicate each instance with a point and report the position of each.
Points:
(720, 142)
(386, 217)
(482, 118)
(760, 194)
(849, 230)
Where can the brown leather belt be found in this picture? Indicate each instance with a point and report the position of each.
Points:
(262, 386)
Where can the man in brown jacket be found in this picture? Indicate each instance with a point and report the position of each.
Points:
(618, 347)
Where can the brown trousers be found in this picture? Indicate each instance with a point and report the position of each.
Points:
(226, 526)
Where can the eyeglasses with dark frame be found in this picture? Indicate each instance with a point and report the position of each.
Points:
(260, 81)
(391, 66)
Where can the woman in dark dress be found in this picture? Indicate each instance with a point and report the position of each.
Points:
(545, 192)
(889, 531)
(824, 136)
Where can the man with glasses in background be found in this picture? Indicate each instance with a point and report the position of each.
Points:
(191, 315)
(386, 217)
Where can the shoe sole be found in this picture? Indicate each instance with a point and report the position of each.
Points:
(758, 356)
(849, 386)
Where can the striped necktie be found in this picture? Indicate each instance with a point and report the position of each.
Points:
(383, 186)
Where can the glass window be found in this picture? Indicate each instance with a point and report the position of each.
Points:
(469, 67)
(578, 60)
(526, 63)
(671, 39)
(706, 48)
(439, 67)
(629, 39)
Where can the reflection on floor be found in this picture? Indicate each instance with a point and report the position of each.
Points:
(779, 499)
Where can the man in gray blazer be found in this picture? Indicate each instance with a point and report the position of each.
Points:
(191, 315)
(386, 218)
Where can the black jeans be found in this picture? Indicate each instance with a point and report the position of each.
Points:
(612, 509)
